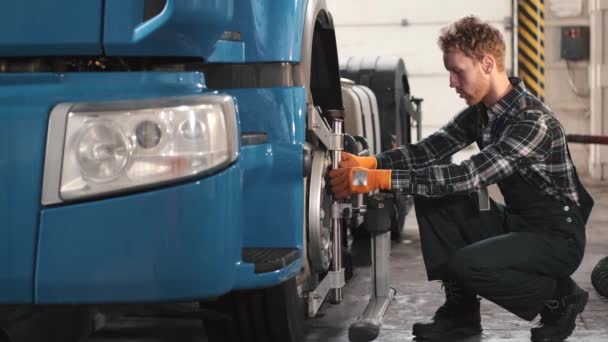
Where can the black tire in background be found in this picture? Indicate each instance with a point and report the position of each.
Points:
(272, 314)
(386, 76)
(599, 277)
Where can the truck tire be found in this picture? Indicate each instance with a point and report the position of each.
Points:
(272, 314)
(48, 324)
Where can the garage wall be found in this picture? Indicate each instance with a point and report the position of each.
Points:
(573, 110)
(409, 29)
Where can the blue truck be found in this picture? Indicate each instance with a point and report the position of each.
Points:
(169, 150)
(174, 151)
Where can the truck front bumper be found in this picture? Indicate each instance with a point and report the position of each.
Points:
(178, 243)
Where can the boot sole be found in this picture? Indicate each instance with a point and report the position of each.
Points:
(580, 307)
(460, 332)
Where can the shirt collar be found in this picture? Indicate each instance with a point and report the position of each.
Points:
(507, 101)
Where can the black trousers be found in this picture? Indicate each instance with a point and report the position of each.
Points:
(512, 260)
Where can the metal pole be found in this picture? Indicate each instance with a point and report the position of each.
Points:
(336, 296)
(587, 139)
(514, 38)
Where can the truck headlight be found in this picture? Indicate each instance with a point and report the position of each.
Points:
(101, 151)
(101, 148)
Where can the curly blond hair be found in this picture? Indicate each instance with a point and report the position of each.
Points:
(474, 38)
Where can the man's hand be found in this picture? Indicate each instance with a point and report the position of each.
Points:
(358, 180)
(351, 160)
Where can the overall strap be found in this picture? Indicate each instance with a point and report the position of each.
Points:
(585, 200)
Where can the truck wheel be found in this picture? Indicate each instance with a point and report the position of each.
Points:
(48, 324)
(273, 314)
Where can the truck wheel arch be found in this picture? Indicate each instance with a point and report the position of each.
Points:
(318, 21)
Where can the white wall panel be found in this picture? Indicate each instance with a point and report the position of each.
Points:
(365, 12)
(370, 28)
(417, 45)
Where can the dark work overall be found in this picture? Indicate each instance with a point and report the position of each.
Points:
(512, 255)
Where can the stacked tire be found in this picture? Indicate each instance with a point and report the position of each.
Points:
(387, 77)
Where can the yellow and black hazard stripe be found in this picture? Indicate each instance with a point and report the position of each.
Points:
(531, 45)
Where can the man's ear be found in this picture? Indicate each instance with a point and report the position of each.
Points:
(488, 63)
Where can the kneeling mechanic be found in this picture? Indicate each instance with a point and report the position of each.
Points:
(519, 255)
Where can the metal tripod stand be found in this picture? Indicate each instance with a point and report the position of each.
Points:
(379, 211)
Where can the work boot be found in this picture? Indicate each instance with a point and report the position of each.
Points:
(558, 317)
(458, 317)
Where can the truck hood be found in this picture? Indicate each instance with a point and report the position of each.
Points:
(113, 27)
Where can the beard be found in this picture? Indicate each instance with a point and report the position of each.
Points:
(472, 100)
(475, 96)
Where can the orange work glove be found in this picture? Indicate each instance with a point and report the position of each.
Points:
(358, 180)
(351, 160)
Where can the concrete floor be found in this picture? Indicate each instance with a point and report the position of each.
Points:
(417, 299)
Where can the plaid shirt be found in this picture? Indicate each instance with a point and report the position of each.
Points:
(531, 142)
